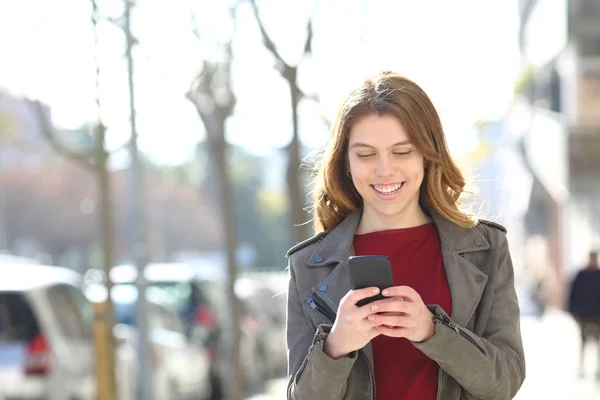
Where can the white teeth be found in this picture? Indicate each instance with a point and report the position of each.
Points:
(386, 189)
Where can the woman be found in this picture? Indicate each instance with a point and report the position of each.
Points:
(449, 328)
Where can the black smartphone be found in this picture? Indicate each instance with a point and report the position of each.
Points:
(369, 271)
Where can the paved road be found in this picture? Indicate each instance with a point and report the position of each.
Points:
(551, 351)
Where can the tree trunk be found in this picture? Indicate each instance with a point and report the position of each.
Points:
(218, 148)
(105, 363)
(296, 192)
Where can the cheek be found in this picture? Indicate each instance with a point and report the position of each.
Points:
(360, 172)
(417, 170)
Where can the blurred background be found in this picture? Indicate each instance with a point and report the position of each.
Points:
(177, 138)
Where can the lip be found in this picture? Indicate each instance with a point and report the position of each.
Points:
(390, 196)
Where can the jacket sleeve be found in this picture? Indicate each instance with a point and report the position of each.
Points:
(312, 374)
(491, 367)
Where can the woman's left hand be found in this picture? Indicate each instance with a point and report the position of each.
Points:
(402, 314)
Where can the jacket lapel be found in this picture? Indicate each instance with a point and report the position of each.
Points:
(335, 249)
(466, 281)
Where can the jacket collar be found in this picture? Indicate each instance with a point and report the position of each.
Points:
(337, 246)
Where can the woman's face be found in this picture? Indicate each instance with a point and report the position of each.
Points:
(386, 168)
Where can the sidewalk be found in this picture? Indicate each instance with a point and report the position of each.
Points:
(552, 356)
(275, 390)
(551, 352)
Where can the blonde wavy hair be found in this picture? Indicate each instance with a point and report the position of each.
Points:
(334, 194)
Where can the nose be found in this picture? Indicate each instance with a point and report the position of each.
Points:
(384, 167)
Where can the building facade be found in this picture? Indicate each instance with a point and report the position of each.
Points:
(560, 120)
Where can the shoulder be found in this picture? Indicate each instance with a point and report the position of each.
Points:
(493, 225)
(307, 243)
(493, 232)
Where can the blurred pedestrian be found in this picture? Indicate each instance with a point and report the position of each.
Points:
(387, 185)
(584, 306)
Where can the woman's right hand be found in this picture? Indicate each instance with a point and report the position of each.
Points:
(351, 330)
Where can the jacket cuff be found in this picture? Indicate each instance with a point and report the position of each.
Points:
(443, 338)
(447, 335)
(324, 360)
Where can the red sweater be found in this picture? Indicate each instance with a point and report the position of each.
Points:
(401, 371)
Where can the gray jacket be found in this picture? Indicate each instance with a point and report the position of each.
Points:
(478, 348)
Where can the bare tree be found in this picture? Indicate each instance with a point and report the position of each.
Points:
(96, 161)
(212, 95)
(289, 72)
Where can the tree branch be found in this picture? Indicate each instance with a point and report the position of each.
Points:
(211, 101)
(195, 26)
(82, 159)
(288, 72)
(268, 42)
(310, 31)
(124, 146)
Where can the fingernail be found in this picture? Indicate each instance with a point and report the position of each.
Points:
(374, 308)
(375, 291)
(371, 318)
(386, 292)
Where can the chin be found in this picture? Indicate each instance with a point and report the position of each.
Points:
(390, 210)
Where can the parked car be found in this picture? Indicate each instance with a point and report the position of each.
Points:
(266, 294)
(200, 299)
(181, 368)
(46, 346)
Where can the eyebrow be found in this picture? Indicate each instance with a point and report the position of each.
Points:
(359, 144)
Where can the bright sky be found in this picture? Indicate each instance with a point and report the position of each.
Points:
(464, 54)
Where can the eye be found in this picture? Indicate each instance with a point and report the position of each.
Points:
(366, 155)
(403, 153)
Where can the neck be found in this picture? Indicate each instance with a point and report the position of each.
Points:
(374, 222)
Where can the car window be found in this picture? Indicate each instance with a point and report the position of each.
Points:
(17, 320)
(86, 309)
(73, 311)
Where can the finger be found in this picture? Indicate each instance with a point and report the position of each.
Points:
(397, 332)
(393, 320)
(402, 291)
(392, 304)
(367, 309)
(354, 296)
(365, 327)
(362, 312)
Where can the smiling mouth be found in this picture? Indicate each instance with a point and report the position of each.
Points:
(388, 189)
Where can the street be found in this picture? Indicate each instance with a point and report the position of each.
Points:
(551, 351)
